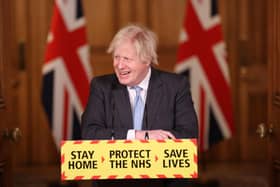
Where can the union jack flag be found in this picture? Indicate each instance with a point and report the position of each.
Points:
(202, 57)
(66, 70)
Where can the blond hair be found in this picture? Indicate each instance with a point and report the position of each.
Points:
(144, 40)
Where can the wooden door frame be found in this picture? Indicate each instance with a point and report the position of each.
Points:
(8, 82)
(274, 91)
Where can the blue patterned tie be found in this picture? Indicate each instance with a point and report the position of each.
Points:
(138, 109)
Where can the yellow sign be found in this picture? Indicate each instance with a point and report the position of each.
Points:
(128, 159)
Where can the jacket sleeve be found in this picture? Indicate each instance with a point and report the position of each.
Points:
(185, 119)
(96, 120)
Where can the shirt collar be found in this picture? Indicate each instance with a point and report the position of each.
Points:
(145, 82)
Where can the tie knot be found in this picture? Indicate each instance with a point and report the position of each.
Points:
(138, 89)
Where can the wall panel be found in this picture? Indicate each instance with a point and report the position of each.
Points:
(100, 21)
(166, 20)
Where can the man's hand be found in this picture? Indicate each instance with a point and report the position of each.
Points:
(154, 134)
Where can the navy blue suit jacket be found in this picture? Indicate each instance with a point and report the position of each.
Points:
(168, 107)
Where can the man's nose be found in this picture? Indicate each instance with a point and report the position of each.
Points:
(120, 63)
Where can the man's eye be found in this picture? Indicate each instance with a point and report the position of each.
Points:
(126, 58)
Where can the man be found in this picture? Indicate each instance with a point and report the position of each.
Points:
(138, 101)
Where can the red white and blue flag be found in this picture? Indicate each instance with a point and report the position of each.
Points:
(66, 70)
(202, 57)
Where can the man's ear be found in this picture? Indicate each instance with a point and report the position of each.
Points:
(148, 64)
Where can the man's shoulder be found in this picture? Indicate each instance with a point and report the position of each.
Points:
(104, 80)
(170, 80)
(170, 76)
(106, 77)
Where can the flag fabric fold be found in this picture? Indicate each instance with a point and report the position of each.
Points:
(202, 57)
(66, 70)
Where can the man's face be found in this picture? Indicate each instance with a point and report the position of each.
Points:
(127, 65)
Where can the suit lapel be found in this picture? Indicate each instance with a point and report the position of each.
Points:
(122, 104)
(154, 96)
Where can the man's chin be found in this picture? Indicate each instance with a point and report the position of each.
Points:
(124, 82)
